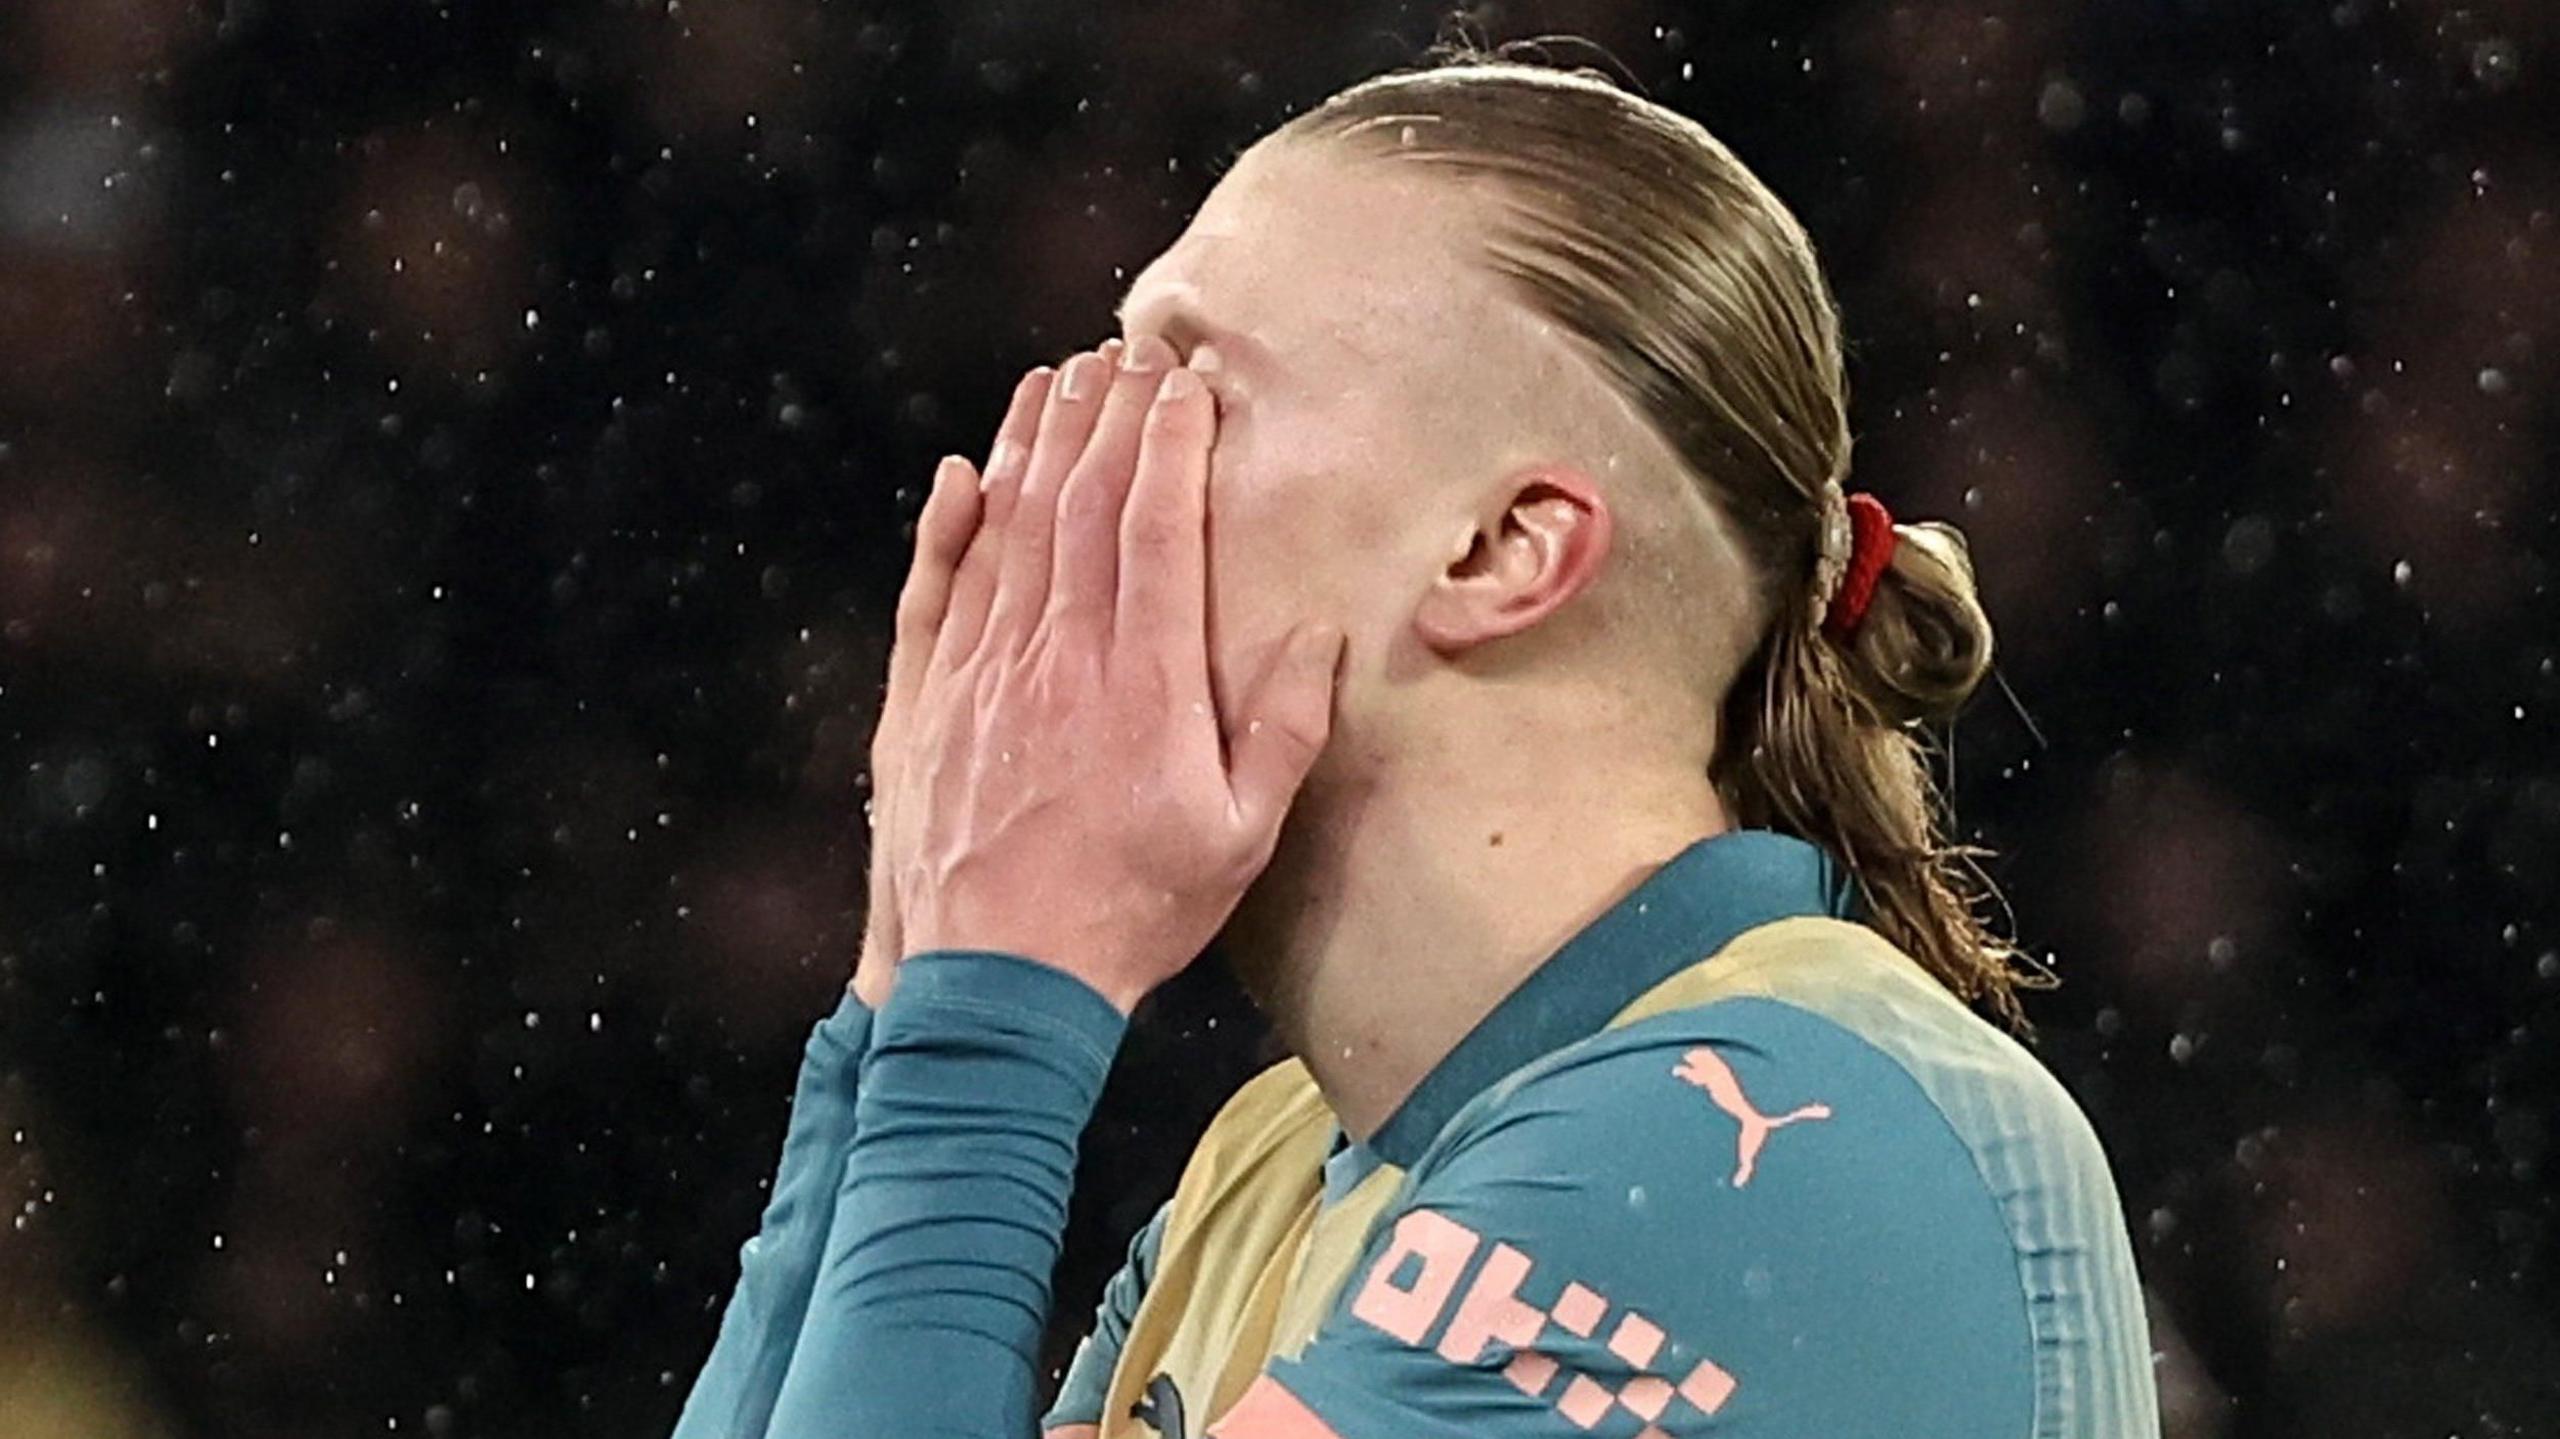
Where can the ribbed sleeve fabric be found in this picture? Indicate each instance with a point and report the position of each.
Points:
(926, 1314)
(734, 1395)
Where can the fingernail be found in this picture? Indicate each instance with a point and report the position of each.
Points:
(1206, 359)
(1000, 458)
(1179, 385)
(949, 466)
(1077, 382)
(1146, 355)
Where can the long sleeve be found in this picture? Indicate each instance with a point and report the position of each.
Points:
(1088, 1378)
(733, 1397)
(927, 1312)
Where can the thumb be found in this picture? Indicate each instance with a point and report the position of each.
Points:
(1284, 725)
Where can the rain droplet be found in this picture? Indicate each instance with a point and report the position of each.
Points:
(2061, 108)
(2495, 63)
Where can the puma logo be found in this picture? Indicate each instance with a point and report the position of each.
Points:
(1706, 1069)
(1161, 1409)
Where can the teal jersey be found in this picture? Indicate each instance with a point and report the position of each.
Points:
(1725, 1165)
(1801, 1191)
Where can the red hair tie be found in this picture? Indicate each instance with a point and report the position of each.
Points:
(1871, 541)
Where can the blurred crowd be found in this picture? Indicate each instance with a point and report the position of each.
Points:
(457, 460)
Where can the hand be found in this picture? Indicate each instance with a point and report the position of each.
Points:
(952, 511)
(1072, 796)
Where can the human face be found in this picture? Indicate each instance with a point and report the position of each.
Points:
(1349, 328)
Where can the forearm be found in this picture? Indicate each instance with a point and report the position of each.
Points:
(927, 1312)
(734, 1395)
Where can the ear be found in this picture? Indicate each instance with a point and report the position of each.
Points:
(1543, 539)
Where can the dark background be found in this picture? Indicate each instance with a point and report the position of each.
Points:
(453, 462)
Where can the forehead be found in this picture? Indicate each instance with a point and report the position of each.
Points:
(1308, 252)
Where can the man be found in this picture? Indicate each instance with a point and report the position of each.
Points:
(1606, 1117)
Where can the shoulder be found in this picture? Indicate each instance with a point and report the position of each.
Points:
(1747, 1157)
(1739, 1209)
(1849, 997)
(1739, 1103)
(1812, 1038)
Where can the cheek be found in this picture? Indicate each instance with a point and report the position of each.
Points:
(1279, 551)
(1253, 538)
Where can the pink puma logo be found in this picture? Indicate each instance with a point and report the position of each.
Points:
(1706, 1069)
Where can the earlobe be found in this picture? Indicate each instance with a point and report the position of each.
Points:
(1546, 544)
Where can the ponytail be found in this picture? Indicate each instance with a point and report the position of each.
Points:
(1822, 738)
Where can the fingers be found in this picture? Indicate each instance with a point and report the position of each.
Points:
(1281, 727)
(1085, 567)
(1022, 569)
(973, 587)
(1163, 583)
(943, 532)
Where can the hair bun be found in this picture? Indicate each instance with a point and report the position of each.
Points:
(1925, 643)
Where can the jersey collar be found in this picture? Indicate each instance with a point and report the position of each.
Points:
(1686, 910)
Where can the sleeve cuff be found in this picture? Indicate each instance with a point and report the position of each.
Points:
(843, 1034)
(988, 979)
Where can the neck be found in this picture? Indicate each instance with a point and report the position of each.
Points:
(1399, 909)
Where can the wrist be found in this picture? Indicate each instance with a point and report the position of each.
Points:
(872, 980)
(997, 979)
(1102, 968)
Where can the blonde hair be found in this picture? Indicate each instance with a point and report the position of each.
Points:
(1637, 232)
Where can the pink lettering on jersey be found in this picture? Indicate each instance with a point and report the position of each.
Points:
(1444, 1246)
(1579, 1310)
(1707, 1069)
(1646, 1396)
(1493, 1323)
(1531, 1372)
(1638, 1339)
(1707, 1386)
(1267, 1411)
(1492, 1309)
(1585, 1402)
